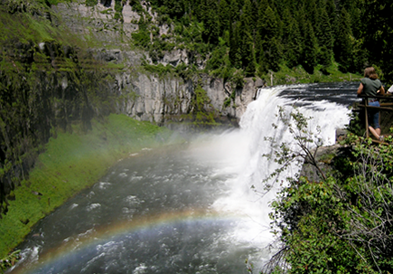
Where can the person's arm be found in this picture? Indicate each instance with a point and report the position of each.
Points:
(360, 89)
(382, 91)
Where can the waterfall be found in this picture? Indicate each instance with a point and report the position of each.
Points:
(247, 195)
(200, 208)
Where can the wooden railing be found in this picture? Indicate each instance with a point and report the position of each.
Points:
(383, 106)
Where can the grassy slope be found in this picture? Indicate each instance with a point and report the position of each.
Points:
(71, 163)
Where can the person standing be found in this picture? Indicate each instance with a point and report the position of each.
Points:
(371, 86)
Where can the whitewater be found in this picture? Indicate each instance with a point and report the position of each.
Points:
(199, 208)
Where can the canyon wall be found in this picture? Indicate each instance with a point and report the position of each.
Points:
(145, 95)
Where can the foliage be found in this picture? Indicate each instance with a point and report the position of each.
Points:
(90, 3)
(141, 38)
(261, 36)
(201, 108)
(306, 141)
(341, 223)
(10, 260)
(49, 81)
(379, 35)
(295, 75)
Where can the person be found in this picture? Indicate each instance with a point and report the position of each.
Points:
(371, 86)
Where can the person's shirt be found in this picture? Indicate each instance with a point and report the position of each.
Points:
(390, 90)
(371, 86)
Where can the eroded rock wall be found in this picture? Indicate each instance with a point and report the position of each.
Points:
(144, 95)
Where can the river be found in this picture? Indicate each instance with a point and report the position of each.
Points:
(196, 208)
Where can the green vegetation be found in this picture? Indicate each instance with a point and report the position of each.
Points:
(55, 97)
(298, 75)
(256, 37)
(341, 223)
(202, 110)
(70, 163)
(49, 81)
(10, 260)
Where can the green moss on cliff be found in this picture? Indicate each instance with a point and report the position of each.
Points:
(70, 163)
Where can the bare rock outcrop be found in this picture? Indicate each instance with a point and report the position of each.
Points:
(144, 95)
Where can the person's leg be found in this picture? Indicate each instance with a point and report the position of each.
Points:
(374, 115)
(375, 132)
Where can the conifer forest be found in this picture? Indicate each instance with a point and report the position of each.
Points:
(261, 35)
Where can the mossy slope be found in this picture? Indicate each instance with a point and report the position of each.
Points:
(70, 163)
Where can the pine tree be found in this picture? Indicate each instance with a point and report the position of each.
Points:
(331, 11)
(312, 14)
(260, 35)
(294, 44)
(249, 56)
(325, 32)
(378, 27)
(235, 45)
(211, 23)
(343, 44)
(270, 56)
(245, 31)
(247, 17)
(175, 8)
(325, 39)
(224, 16)
(234, 11)
(310, 49)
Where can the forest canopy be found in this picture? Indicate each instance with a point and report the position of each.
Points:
(257, 36)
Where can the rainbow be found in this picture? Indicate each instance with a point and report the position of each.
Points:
(61, 257)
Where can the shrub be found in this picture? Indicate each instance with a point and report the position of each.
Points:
(341, 223)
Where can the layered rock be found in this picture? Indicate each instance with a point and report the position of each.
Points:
(146, 96)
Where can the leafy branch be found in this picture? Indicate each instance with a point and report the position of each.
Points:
(303, 150)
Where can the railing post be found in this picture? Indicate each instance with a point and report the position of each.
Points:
(365, 113)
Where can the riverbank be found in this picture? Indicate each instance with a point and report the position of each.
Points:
(72, 162)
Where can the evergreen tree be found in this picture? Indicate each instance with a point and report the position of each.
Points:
(174, 8)
(211, 23)
(270, 56)
(325, 32)
(269, 25)
(294, 45)
(343, 44)
(249, 56)
(260, 30)
(331, 11)
(325, 39)
(301, 19)
(245, 30)
(310, 49)
(224, 16)
(247, 17)
(312, 14)
(378, 29)
(235, 45)
(234, 10)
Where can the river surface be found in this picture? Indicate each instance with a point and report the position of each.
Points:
(200, 207)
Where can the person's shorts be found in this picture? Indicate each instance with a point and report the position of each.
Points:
(374, 114)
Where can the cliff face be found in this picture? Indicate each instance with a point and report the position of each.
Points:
(51, 79)
(147, 96)
(44, 87)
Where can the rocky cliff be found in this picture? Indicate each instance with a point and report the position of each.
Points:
(148, 96)
(63, 65)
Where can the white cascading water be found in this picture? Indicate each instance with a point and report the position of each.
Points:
(215, 173)
(241, 152)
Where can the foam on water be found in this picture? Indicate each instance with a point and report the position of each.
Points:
(238, 214)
